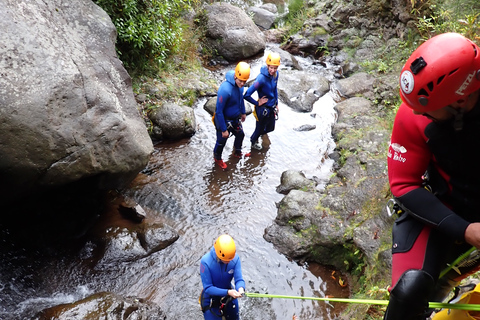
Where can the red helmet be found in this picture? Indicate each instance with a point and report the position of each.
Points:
(443, 70)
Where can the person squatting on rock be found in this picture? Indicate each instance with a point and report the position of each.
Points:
(230, 112)
(217, 269)
(434, 173)
(266, 108)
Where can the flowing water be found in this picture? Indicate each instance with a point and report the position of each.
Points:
(182, 188)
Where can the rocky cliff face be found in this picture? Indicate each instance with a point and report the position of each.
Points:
(67, 110)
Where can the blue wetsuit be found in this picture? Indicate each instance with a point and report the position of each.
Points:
(217, 280)
(266, 86)
(229, 109)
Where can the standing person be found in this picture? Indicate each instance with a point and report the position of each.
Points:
(217, 269)
(230, 112)
(434, 173)
(266, 108)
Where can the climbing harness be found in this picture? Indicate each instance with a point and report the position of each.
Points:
(221, 304)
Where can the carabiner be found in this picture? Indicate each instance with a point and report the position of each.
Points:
(391, 207)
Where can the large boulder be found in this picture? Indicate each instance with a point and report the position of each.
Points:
(67, 109)
(104, 305)
(263, 18)
(172, 121)
(232, 33)
(301, 89)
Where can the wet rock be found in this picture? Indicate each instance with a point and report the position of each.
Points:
(301, 224)
(303, 46)
(301, 89)
(130, 243)
(104, 305)
(232, 33)
(274, 35)
(272, 7)
(292, 179)
(353, 113)
(306, 127)
(133, 213)
(263, 18)
(68, 109)
(171, 121)
(359, 83)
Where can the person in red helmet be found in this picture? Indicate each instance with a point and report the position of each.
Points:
(434, 174)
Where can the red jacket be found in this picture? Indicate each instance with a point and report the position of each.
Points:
(451, 160)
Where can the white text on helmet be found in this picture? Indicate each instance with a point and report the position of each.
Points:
(465, 84)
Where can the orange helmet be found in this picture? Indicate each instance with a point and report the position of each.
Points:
(242, 71)
(273, 59)
(225, 248)
(443, 70)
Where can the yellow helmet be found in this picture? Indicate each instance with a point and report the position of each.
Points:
(225, 248)
(242, 71)
(273, 59)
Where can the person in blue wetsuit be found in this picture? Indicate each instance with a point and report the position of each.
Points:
(218, 268)
(266, 108)
(230, 112)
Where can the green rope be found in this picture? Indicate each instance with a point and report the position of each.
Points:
(433, 305)
(457, 261)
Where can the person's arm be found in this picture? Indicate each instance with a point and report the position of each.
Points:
(207, 282)
(248, 94)
(408, 159)
(223, 96)
(237, 275)
(275, 90)
(242, 105)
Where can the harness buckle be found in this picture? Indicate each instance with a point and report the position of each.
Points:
(393, 207)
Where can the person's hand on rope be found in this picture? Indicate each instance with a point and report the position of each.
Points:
(472, 234)
(234, 293)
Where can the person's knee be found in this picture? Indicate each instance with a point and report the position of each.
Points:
(409, 296)
(413, 285)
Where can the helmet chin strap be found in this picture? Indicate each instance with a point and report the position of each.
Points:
(458, 114)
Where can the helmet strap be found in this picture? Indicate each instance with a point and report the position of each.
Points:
(458, 114)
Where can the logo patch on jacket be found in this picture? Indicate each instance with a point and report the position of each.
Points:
(398, 150)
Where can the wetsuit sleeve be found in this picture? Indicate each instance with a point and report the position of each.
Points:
(207, 282)
(248, 95)
(275, 90)
(408, 159)
(237, 275)
(222, 99)
(242, 104)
